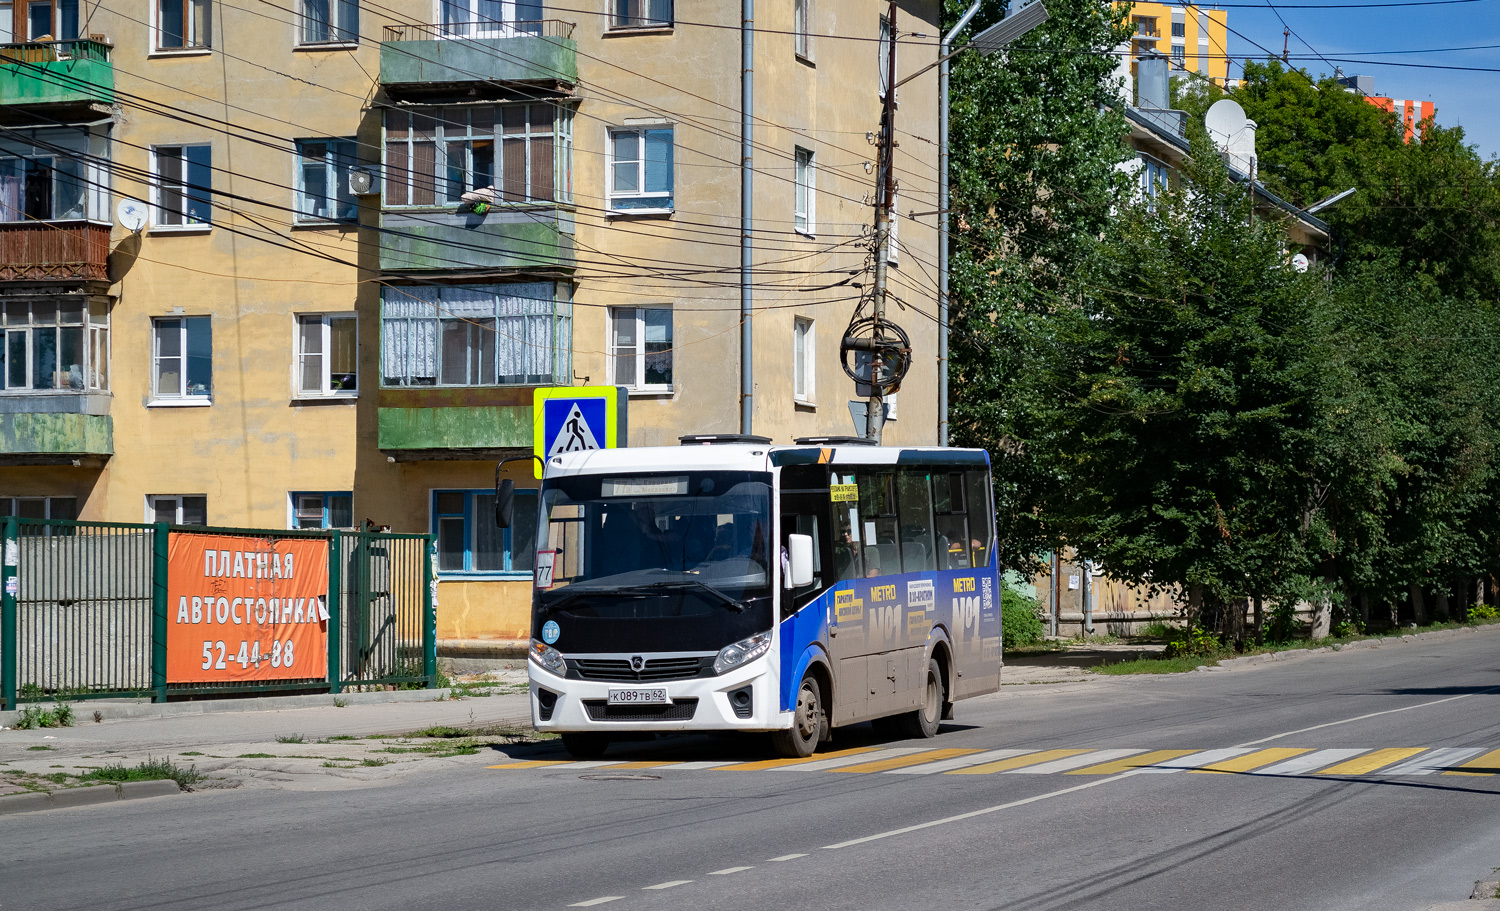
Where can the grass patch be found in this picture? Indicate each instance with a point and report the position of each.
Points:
(336, 764)
(338, 737)
(39, 748)
(374, 762)
(1151, 666)
(150, 770)
(257, 756)
(191, 753)
(288, 738)
(34, 716)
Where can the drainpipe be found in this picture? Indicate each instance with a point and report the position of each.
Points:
(747, 212)
(943, 52)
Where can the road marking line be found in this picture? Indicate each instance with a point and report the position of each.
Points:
(1435, 761)
(1063, 765)
(1136, 760)
(1311, 762)
(897, 762)
(949, 764)
(1406, 708)
(530, 764)
(728, 870)
(1194, 760)
(777, 860)
(1372, 761)
(596, 763)
(1484, 765)
(826, 764)
(702, 765)
(975, 813)
(643, 765)
(596, 901)
(1253, 761)
(778, 763)
(667, 885)
(1015, 762)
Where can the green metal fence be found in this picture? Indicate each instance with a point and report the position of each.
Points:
(84, 612)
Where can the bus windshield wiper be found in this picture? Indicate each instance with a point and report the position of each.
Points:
(671, 584)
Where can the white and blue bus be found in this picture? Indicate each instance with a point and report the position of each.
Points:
(729, 584)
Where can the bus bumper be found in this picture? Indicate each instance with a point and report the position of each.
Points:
(698, 704)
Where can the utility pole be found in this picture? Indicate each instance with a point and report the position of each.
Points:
(1286, 34)
(875, 413)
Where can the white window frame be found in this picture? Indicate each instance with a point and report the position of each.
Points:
(341, 33)
(338, 150)
(644, 20)
(805, 194)
(669, 197)
(294, 507)
(298, 355)
(188, 225)
(804, 360)
(176, 498)
(181, 397)
(639, 355)
(802, 41)
(154, 45)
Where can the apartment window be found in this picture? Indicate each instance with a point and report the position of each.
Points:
(640, 348)
(327, 355)
(523, 151)
(491, 18)
(182, 351)
(39, 507)
(183, 24)
(323, 510)
(41, 188)
(41, 18)
(55, 344)
(468, 541)
(330, 21)
(802, 218)
(323, 167)
(802, 28)
(1145, 26)
(804, 359)
(641, 13)
(177, 509)
(640, 170)
(1179, 56)
(184, 185)
(476, 335)
(1179, 29)
(1156, 178)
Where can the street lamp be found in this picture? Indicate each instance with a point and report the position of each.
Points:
(1015, 24)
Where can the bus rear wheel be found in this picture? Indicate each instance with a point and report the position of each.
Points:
(924, 721)
(583, 745)
(807, 726)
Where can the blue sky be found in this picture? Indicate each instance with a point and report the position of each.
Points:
(1462, 98)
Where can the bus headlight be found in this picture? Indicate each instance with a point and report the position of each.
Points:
(548, 657)
(732, 656)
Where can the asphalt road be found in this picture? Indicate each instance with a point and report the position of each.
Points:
(868, 835)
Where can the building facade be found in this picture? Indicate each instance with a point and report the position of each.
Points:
(1195, 39)
(244, 280)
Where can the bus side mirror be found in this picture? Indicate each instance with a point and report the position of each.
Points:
(800, 556)
(505, 502)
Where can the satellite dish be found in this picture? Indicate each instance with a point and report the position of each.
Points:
(133, 215)
(1299, 262)
(1225, 120)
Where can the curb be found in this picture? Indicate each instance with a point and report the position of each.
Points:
(1358, 644)
(83, 797)
(110, 710)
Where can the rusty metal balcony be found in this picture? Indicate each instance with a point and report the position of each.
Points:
(54, 250)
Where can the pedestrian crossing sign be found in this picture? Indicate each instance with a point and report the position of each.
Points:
(577, 419)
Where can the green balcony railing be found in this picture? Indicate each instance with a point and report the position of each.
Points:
(56, 72)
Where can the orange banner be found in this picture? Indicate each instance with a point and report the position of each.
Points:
(244, 609)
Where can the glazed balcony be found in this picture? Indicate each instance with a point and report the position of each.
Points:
(417, 59)
(37, 73)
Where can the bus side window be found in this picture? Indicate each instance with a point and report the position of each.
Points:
(846, 536)
(981, 517)
(879, 523)
(914, 496)
(952, 521)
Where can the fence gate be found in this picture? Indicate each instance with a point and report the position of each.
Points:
(108, 609)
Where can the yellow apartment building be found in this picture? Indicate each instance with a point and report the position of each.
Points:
(1196, 38)
(240, 284)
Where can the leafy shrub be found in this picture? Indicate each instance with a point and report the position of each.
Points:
(1195, 642)
(34, 716)
(1484, 612)
(1020, 619)
(1281, 625)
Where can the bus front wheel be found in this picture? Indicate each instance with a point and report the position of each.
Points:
(583, 745)
(807, 725)
(925, 720)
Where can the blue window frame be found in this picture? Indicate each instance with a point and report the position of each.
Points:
(313, 509)
(470, 543)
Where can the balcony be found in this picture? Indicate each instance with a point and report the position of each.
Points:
(454, 423)
(68, 437)
(74, 72)
(427, 59)
(527, 239)
(73, 250)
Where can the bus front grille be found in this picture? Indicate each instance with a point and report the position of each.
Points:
(681, 710)
(655, 669)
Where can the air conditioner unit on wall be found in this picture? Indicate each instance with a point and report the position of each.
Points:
(362, 182)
